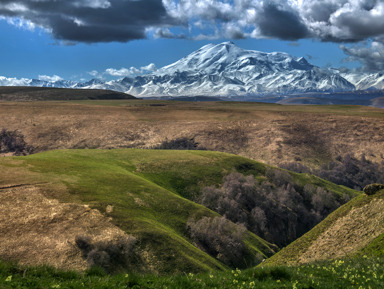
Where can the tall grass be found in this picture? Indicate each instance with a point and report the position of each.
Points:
(356, 273)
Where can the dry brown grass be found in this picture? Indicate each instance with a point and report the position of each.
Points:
(37, 230)
(347, 234)
(268, 133)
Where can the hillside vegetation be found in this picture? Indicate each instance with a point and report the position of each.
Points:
(51, 201)
(354, 230)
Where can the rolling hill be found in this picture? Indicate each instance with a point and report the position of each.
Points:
(48, 199)
(27, 93)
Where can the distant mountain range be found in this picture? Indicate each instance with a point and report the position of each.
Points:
(225, 70)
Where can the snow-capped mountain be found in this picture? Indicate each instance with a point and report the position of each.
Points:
(227, 58)
(366, 81)
(4, 81)
(227, 70)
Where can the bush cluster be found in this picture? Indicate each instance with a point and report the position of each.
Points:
(372, 189)
(111, 256)
(183, 143)
(348, 171)
(13, 141)
(220, 238)
(278, 210)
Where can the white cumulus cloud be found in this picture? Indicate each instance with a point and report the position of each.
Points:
(49, 78)
(132, 71)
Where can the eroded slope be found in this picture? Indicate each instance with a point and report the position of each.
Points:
(355, 228)
(37, 230)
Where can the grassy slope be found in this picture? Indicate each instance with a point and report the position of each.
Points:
(155, 215)
(292, 253)
(149, 190)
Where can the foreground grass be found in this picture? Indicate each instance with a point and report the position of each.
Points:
(353, 273)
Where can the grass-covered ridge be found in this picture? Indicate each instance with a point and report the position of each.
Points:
(151, 193)
(155, 215)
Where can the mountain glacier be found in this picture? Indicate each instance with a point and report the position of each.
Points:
(227, 70)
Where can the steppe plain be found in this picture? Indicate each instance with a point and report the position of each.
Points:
(269, 133)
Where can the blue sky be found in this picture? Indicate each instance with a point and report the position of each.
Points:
(82, 39)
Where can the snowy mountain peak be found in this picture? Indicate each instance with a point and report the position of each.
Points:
(207, 59)
(227, 58)
(225, 69)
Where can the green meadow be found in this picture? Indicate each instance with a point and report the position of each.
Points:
(151, 192)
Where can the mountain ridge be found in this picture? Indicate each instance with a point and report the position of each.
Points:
(229, 71)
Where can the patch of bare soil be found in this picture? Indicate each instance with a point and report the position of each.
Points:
(348, 234)
(36, 230)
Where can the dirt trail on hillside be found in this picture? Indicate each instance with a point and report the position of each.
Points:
(348, 234)
(37, 230)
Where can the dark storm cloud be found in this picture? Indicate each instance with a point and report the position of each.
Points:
(371, 58)
(91, 21)
(359, 25)
(344, 20)
(123, 20)
(274, 21)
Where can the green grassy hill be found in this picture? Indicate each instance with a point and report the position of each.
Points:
(144, 193)
(354, 230)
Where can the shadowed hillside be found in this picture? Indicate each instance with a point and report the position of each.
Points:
(27, 93)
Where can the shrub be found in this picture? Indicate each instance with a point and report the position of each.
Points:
(109, 255)
(220, 238)
(324, 202)
(348, 171)
(13, 141)
(372, 189)
(183, 143)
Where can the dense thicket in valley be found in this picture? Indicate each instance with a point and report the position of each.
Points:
(346, 170)
(278, 209)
